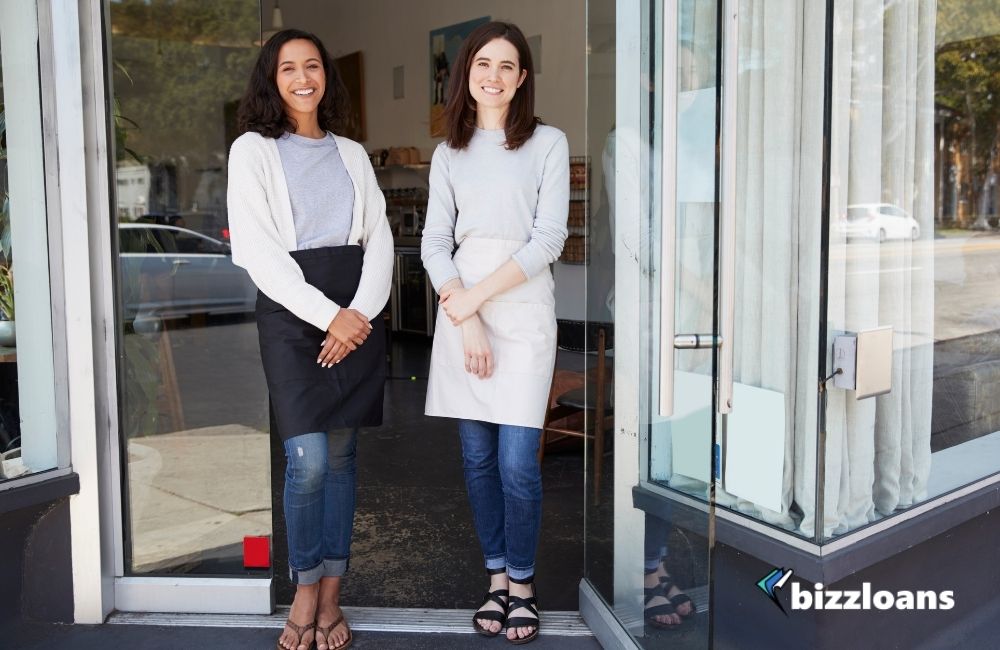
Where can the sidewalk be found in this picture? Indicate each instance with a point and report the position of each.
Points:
(31, 636)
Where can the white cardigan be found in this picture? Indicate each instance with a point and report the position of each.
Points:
(262, 231)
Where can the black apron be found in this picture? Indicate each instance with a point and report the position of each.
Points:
(306, 397)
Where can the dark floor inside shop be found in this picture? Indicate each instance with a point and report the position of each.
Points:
(414, 543)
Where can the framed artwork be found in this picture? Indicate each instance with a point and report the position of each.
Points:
(444, 45)
(352, 72)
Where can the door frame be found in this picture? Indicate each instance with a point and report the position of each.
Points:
(635, 160)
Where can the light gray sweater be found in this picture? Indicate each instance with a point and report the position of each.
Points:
(262, 230)
(319, 188)
(487, 191)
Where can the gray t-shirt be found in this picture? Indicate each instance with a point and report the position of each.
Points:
(491, 192)
(320, 190)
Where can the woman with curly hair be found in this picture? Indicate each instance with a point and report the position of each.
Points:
(307, 221)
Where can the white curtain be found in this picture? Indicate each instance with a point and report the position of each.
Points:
(778, 185)
(878, 451)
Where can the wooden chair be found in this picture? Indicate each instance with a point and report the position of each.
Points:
(592, 396)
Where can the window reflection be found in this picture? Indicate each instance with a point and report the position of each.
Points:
(913, 246)
(194, 405)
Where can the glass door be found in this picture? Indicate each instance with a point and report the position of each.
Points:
(196, 497)
(714, 182)
(649, 535)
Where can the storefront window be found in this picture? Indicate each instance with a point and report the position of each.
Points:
(765, 455)
(914, 246)
(28, 441)
(193, 401)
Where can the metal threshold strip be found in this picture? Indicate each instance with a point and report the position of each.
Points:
(365, 619)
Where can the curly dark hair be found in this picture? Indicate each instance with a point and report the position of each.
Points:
(262, 109)
(460, 111)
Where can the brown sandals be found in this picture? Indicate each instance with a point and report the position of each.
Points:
(299, 631)
(327, 629)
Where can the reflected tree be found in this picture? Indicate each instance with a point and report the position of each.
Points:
(967, 93)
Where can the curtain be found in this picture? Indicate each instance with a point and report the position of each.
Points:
(878, 449)
(778, 189)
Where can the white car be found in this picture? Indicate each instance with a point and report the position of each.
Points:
(171, 272)
(878, 221)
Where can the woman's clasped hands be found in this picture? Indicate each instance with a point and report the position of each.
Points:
(348, 330)
(461, 305)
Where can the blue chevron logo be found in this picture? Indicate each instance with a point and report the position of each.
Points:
(773, 581)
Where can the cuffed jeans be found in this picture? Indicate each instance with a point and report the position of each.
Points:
(655, 542)
(319, 503)
(504, 482)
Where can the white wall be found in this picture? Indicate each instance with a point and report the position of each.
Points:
(391, 33)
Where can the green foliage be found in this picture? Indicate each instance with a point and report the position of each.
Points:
(6, 262)
(178, 63)
(967, 81)
(968, 84)
(7, 292)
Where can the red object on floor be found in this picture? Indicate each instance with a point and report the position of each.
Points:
(256, 552)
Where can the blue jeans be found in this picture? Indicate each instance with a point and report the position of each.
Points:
(655, 542)
(319, 503)
(504, 482)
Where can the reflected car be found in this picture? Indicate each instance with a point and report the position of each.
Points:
(209, 224)
(172, 272)
(878, 221)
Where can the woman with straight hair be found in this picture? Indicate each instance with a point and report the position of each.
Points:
(499, 190)
(307, 221)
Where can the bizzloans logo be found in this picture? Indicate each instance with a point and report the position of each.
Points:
(865, 598)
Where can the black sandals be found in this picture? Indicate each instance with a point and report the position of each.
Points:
(650, 612)
(530, 604)
(667, 583)
(492, 614)
(668, 608)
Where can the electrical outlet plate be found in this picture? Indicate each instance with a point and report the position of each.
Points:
(845, 359)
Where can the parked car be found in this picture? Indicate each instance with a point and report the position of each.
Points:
(879, 221)
(209, 224)
(171, 272)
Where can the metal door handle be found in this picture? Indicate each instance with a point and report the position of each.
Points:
(696, 341)
(178, 262)
(727, 222)
(668, 213)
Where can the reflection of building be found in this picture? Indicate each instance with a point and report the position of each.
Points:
(132, 190)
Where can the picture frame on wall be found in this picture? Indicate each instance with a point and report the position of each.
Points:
(351, 69)
(444, 45)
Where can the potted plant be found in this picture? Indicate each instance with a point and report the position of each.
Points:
(7, 338)
(6, 261)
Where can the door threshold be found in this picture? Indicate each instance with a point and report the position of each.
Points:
(364, 619)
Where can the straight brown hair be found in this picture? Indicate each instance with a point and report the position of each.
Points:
(460, 111)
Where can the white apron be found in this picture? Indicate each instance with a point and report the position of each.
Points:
(521, 327)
